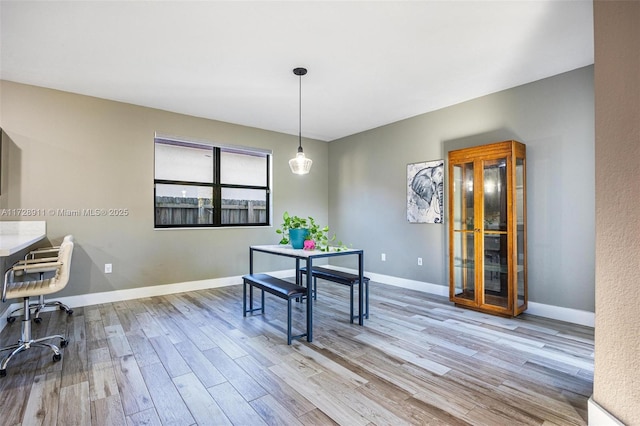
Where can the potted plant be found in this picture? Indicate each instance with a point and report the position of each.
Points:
(294, 230)
(305, 233)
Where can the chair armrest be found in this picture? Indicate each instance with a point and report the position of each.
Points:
(38, 260)
(36, 267)
(45, 250)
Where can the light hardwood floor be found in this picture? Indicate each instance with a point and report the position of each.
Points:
(192, 358)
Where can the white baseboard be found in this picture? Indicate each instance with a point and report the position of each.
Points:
(574, 316)
(555, 312)
(559, 313)
(598, 416)
(140, 292)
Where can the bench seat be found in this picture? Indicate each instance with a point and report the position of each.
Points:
(340, 277)
(280, 288)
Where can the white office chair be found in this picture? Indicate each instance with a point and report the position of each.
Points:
(42, 255)
(25, 289)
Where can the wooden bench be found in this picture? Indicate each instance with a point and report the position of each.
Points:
(339, 277)
(280, 288)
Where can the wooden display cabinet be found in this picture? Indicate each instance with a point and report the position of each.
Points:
(488, 228)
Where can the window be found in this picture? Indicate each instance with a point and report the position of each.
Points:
(205, 185)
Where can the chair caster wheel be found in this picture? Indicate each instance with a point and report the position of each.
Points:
(3, 373)
(57, 357)
(11, 320)
(37, 320)
(64, 343)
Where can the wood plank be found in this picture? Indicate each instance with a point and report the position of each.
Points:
(325, 399)
(241, 381)
(170, 357)
(201, 404)
(411, 356)
(75, 368)
(42, 405)
(223, 342)
(272, 412)
(169, 405)
(107, 411)
(117, 341)
(316, 418)
(16, 386)
(134, 394)
(234, 406)
(102, 379)
(144, 418)
(198, 362)
(295, 403)
(142, 348)
(74, 407)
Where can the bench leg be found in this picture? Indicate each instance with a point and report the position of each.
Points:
(366, 295)
(288, 321)
(315, 288)
(351, 304)
(250, 297)
(251, 310)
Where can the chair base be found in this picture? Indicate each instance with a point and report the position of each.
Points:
(37, 307)
(26, 342)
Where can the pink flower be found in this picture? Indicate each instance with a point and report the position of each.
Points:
(309, 245)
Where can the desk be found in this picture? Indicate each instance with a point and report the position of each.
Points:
(15, 236)
(309, 256)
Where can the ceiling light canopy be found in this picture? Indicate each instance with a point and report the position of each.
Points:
(300, 164)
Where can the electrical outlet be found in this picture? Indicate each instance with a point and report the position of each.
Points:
(108, 268)
(419, 261)
(383, 257)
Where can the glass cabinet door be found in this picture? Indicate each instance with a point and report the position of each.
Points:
(521, 240)
(463, 219)
(494, 232)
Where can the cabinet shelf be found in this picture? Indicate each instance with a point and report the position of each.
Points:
(488, 267)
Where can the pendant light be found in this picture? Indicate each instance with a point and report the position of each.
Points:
(300, 165)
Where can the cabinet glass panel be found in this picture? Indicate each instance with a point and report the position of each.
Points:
(463, 266)
(495, 195)
(496, 270)
(463, 197)
(520, 240)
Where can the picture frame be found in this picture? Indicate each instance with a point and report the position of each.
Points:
(425, 192)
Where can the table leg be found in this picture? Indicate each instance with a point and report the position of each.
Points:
(309, 301)
(360, 288)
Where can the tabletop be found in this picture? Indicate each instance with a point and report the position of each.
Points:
(287, 250)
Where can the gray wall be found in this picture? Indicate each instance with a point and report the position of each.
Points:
(554, 117)
(65, 151)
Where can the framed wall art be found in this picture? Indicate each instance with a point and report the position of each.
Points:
(425, 192)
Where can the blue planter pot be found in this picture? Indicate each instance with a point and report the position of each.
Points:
(297, 237)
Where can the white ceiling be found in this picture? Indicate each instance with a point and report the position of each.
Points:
(370, 63)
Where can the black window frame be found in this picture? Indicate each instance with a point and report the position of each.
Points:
(216, 185)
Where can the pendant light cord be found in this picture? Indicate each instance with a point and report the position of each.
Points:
(300, 114)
